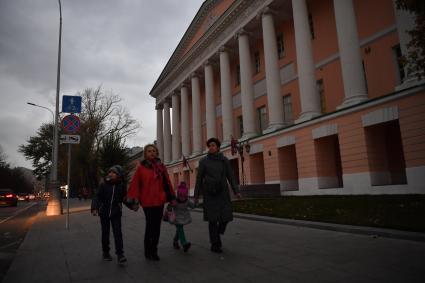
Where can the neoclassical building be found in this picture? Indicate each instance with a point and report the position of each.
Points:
(315, 87)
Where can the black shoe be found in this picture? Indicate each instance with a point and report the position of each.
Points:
(148, 255)
(186, 247)
(121, 258)
(106, 257)
(216, 249)
(154, 257)
(176, 245)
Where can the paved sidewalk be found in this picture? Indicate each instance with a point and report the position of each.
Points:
(254, 251)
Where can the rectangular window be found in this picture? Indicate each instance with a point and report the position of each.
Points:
(257, 61)
(238, 75)
(239, 122)
(311, 24)
(321, 92)
(398, 59)
(280, 46)
(287, 109)
(262, 118)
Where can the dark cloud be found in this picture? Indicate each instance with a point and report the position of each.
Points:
(121, 45)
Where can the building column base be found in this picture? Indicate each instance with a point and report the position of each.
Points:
(305, 116)
(408, 83)
(273, 127)
(352, 100)
(247, 136)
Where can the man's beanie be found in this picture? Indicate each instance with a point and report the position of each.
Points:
(117, 169)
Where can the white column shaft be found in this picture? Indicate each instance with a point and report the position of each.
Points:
(247, 88)
(185, 121)
(349, 52)
(160, 133)
(226, 96)
(209, 101)
(196, 116)
(274, 97)
(176, 128)
(310, 101)
(167, 133)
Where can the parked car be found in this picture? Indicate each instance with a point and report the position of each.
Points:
(31, 197)
(8, 197)
(23, 197)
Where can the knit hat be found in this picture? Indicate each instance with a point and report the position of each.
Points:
(117, 169)
(182, 190)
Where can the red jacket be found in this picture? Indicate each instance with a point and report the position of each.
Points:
(148, 189)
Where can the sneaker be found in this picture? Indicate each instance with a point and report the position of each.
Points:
(186, 247)
(106, 257)
(121, 258)
(176, 245)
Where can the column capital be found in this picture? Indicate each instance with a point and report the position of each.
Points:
(266, 11)
(209, 62)
(185, 84)
(195, 75)
(175, 93)
(242, 32)
(159, 107)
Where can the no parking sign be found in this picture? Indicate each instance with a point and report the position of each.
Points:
(71, 124)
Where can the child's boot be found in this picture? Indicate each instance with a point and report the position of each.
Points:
(186, 247)
(176, 245)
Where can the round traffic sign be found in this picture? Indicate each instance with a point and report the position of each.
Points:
(71, 124)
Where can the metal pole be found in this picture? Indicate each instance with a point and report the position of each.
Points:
(68, 181)
(54, 205)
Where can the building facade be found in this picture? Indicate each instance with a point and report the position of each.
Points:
(315, 87)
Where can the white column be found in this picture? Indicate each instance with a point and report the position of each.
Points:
(167, 133)
(349, 51)
(196, 115)
(177, 149)
(159, 132)
(226, 96)
(310, 100)
(209, 101)
(274, 97)
(247, 87)
(184, 92)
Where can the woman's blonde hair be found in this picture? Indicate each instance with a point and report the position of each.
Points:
(150, 145)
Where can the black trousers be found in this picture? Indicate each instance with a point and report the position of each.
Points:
(216, 228)
(106, 223)
(153, 217)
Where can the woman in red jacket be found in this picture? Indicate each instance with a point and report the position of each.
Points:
(151, 187)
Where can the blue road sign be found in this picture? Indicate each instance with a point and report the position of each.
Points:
(71, 104)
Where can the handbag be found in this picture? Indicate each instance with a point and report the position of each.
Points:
(169, 215)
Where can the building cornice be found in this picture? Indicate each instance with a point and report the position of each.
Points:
(240, 13)
(194, 26)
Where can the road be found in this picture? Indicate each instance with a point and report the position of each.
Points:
(14, 224)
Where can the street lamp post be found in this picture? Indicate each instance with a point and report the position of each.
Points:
(54, 205)
(238, 147)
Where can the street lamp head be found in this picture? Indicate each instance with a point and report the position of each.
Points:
(30, 103)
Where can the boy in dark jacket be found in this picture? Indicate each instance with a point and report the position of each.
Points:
(107, 203)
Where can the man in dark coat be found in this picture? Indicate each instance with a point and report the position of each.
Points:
(213, 174)
(107, 203)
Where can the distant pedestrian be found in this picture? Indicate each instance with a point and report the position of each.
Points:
(107, 203)
(183, 216)
(151, 188)
(213, 174)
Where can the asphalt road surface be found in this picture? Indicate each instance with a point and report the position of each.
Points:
(14, 224)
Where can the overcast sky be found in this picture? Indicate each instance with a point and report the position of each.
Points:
(122, 45)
